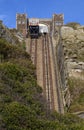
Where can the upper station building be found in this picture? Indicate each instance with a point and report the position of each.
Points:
(22, 22)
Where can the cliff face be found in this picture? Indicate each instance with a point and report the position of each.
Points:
(73, 43)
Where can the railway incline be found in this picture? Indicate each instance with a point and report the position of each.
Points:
(39, 44)
(42, 56)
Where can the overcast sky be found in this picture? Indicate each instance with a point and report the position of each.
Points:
(73, 10)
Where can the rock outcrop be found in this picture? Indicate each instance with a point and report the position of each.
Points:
(73, 46)
(73, 42)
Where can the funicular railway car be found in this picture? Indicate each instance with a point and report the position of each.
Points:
(43, 29)
(34, 27)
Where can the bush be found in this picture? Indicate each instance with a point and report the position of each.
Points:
(77, 94)
(74, 25)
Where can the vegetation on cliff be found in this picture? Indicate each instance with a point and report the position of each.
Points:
(77, 94)
(74, 25)
(22, 106)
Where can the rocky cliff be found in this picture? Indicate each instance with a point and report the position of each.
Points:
(73, 44)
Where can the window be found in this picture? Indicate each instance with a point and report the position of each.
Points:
(23, 22)
(19, 22)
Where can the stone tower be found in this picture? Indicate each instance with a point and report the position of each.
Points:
(21, 23)
(57, 21)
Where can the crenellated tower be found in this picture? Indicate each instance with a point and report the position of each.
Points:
(57, 21)
(21, 23)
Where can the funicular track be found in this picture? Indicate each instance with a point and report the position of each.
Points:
(57, 83)
(42, 56)
(33, 51)
(47, 74)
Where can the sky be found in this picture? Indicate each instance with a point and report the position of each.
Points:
(73, 10)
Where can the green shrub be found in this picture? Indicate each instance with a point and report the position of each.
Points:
(77, 94)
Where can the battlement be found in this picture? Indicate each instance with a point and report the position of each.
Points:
(58, 17)
(21, 16)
